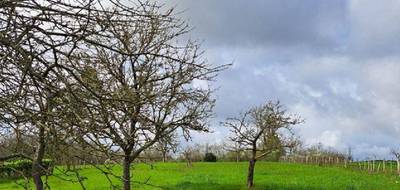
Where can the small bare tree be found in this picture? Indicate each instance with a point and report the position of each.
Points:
(187, 154)
(235, 148)
(262, 130)
(396, 153)
(166, 145)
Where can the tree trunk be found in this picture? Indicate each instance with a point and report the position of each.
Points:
(250, 174)
(37, 169)
(126, 180)
(164, 156)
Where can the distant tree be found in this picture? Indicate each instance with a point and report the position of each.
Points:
(167, 144)
(349, 154)
(12, 144)
(234, 148)
(218, 149)
(210, 157)
(396, 153)
(262, 130)
(187, 154)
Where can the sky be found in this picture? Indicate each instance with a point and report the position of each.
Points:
(334, 62)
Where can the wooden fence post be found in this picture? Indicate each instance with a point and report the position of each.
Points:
(369, 165)
(379, 167)
(365, 165)
(373, 165)
(384, 166)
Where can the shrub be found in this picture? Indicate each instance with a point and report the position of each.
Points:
(18, 168)
(210, 157)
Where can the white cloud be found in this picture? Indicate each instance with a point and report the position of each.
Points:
(335, 63)
(328, 139)
(345, 88)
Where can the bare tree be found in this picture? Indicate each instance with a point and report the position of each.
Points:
(145, 91)
(168, 144)
(397, 155)
(187, 154)
(127, 80)
(235, 148)
(37, 40)
(262, 130)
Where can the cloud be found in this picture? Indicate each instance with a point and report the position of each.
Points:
(327, 138)
(336, 63)
(266, 22)
(374, 27)
(345, 101)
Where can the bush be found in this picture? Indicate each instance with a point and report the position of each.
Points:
(210, 157)
(19, 168)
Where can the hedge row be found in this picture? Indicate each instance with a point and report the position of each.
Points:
(20, 168)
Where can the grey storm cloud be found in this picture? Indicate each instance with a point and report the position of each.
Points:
(334, 62)
(265, 22)
(374, 27)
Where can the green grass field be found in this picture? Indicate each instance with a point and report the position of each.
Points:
(232, 176)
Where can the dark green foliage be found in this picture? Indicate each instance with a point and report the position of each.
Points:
(210, 157)
(20, 168)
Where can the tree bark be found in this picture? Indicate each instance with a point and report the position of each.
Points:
(250, 174)
(126, 180)
(37, 169)
(164, 156)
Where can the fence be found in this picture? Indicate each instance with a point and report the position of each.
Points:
(371, 166)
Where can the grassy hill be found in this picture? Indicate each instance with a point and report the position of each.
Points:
(232, 176)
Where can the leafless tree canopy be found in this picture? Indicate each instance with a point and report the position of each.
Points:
(262, 130)
(114, 75)
(167, 145)
(267, 126)
(144, 91)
